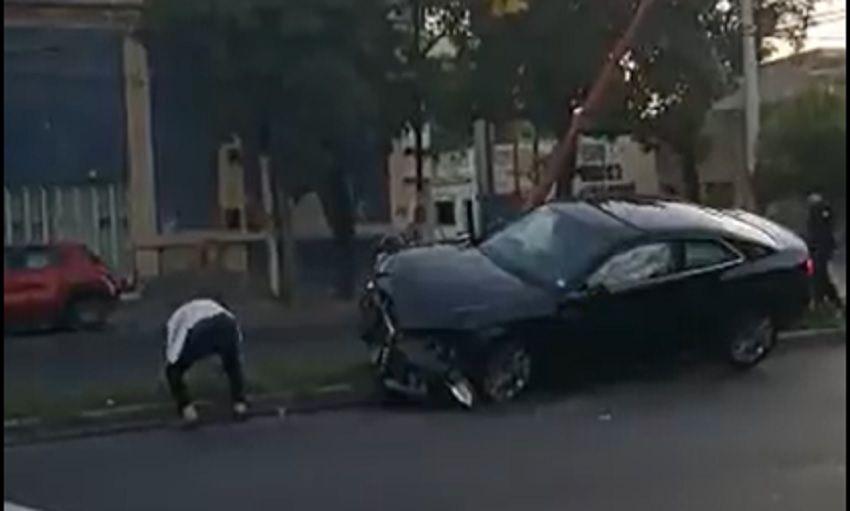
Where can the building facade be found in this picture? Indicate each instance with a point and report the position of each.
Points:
(454, 193)
(722, 172)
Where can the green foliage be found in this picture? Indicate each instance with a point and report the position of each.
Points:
(311, 73)
(803, 147)
(538, 64)
(325, 69)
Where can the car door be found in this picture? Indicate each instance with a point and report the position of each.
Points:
(628, 304)
(706, 297)
(29, 278)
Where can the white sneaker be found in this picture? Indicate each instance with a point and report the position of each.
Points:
(240, 410)
(189, 415)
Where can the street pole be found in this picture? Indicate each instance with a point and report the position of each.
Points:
(420, 210)
(751, 98)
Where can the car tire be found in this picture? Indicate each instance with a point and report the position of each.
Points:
(88, 312)
(507, 372)
(751, 341)
(389, 396)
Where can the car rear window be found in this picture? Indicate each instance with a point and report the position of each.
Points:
(30, 258)
(706, 253)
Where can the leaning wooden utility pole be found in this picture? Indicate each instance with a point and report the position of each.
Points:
(562, 155)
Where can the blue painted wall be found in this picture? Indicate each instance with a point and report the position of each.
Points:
(63, 110)
(64, 115)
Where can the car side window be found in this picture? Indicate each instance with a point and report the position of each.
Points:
(38, 260)
(28, 259)
(635, 265)
(706, 253)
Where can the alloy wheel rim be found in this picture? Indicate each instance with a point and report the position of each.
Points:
(753, 342)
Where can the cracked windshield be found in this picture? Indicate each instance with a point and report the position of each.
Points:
(435, 254)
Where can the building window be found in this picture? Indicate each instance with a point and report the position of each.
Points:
(705, 254)
(592, 173)
(445, 212)
(595, 173)
(591, 153)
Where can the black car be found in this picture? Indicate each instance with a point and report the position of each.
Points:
(611, 276)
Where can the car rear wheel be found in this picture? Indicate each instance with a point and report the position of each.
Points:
(751, 341)
(507, 373)
(88, 312)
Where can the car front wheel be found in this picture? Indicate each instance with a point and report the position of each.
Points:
(751, 341)
(507, 373)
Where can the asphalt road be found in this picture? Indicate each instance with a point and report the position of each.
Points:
(710, 439)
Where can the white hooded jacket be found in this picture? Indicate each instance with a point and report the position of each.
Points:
(183, 319)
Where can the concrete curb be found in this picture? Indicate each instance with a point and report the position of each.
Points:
(113, 421)
(798, 335)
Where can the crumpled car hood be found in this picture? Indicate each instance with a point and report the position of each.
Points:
(445, 287)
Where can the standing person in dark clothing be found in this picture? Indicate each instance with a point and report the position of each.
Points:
(196, 330)
(822, 246)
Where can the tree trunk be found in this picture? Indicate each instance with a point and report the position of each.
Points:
(338, 206)
(286, 240)
(690, 175)
(515, 149)
(535, 157)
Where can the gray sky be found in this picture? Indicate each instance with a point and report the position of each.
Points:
(828, 28)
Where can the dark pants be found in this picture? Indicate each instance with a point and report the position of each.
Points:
(823, 288)
(218, 335)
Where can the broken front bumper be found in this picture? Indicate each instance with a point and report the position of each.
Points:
(409, 365)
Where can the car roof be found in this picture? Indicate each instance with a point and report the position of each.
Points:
(657, 216)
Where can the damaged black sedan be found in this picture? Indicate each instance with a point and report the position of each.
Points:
(611, 276)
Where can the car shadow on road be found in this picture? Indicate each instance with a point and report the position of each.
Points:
(585, 378)
(591, 376)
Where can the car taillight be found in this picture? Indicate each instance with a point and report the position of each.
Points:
(809, 266)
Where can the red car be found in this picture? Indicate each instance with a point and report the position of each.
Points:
(56, 285)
